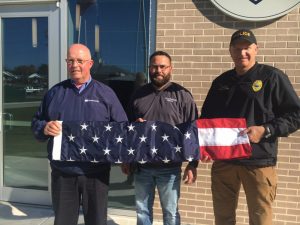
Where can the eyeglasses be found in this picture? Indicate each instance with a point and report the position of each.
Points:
(78, 61)
(155, 67)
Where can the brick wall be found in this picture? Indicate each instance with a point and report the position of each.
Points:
(197, 35)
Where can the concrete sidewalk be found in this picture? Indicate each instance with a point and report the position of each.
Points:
(22, 214)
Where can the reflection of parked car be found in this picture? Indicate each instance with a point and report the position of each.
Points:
(37, 81)
(9, 77)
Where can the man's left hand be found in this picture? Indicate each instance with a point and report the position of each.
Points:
(190, 174)
(255, 133)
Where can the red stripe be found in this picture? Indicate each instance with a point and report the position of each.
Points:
(226, 152)
(221, 123)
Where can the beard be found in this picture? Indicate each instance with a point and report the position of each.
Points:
(160, 82)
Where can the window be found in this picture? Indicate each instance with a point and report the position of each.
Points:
(117, 33)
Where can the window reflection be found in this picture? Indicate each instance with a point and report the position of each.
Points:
(25, 81)
(117, 34)
(25, 61)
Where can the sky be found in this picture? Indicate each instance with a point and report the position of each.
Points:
(122, 37)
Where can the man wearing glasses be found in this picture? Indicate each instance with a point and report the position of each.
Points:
(165, 101)
(79, 98)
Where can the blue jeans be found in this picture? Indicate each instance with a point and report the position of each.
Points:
(167, 181)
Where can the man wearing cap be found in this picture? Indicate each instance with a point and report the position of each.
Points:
(264, 96)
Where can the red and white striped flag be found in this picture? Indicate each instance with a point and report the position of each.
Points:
(221, 138)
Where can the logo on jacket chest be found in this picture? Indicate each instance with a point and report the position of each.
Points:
(91, 100)
(168, 99)
(257, 85)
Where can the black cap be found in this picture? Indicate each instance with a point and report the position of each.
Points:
(243, 34)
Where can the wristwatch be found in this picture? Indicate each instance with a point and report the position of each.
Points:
(267, 133)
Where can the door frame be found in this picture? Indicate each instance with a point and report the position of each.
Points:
(55, 40)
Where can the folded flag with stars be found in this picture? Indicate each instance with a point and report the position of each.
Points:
(128, 142)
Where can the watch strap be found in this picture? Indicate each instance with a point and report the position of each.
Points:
(267, 133)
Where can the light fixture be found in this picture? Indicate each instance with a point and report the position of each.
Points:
(34, 32)
(97, 38)
(78, 17)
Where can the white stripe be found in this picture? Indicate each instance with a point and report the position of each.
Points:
(56, 151)
(221, 136)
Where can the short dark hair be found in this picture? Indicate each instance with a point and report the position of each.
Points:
(156, 53)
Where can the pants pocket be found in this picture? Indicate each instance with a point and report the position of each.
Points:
(271, 178)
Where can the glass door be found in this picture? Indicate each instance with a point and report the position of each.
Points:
(29, 61)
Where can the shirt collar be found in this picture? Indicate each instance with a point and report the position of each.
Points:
(83, 86)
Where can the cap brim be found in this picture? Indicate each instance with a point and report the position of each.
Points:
(240, 39)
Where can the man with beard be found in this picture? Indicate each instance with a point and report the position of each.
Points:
(165, 101)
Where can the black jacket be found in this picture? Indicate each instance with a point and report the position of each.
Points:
(264, 95)
(173, 104)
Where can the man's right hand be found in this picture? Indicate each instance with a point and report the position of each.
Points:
(52, 128)
(206, 159)
(140, 120)
(125, 168)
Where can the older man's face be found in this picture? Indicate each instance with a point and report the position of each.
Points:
(243, 55)
(79, 64)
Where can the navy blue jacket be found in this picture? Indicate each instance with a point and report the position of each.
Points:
(97, 102)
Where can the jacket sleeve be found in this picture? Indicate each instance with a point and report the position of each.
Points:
(39, 120)
(191, 114)
(286, 107)
(206, 107)
(189, 107)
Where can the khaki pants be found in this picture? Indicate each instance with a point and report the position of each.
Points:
(259, 185)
